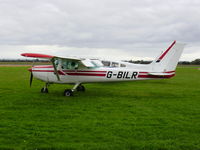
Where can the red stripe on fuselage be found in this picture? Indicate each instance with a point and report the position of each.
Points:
(42, 70)
(86, 74)
(49, 66)
(169, 72)
(73, 73)
(84, 71)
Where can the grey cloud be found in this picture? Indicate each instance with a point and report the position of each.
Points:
(119, 24)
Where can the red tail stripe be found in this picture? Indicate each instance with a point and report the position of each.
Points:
(161, 57)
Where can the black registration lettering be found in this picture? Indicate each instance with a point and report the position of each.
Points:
(134, 75)
(127, 77)
(109, 74)
(119, 75)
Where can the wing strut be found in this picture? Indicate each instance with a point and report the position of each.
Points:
(55, 69)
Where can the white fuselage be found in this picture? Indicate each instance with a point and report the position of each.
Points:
(101, 74)
(85, 70)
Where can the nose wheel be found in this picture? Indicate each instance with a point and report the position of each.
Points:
(45, 88)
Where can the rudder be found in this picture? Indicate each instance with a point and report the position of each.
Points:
(168, 60)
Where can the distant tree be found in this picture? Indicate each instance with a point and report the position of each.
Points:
(196, 62)
(184, 63)
(139, 62)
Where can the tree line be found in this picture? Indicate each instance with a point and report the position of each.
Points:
(194, 62)
(23, 60)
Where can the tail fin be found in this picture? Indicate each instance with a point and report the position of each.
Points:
(168, 60)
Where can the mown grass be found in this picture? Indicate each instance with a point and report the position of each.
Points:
(152, 115)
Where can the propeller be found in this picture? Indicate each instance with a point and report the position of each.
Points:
(31, 79)
(55, 69)
(30, 69)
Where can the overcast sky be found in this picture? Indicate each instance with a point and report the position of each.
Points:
(120, 29)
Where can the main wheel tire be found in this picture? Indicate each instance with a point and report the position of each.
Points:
(44, 90)
(81, 88)
(68, 92)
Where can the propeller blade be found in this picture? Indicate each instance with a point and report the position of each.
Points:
(55, 69)
(31, 79)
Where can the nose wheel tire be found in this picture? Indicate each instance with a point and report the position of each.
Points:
(68, 92)
(44, 90)
(81, 88)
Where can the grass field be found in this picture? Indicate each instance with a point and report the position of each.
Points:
(150, 115)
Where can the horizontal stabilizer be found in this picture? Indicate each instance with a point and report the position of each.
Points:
(159, 74)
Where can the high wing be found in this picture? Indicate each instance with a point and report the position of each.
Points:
(44, 56)
(84, 62)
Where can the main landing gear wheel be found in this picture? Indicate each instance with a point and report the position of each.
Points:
(68, 92)
(44, 90)
(81, 88)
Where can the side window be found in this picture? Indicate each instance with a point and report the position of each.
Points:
(106, 63)
(64, 64)
(56, 62)
(71, 65)
(74, 65)
(122, 65)
(114, 64)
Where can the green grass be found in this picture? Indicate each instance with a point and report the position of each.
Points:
(150, 115)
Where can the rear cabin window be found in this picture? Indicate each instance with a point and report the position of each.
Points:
(97, 63)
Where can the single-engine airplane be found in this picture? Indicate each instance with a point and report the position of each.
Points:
(77, 71)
